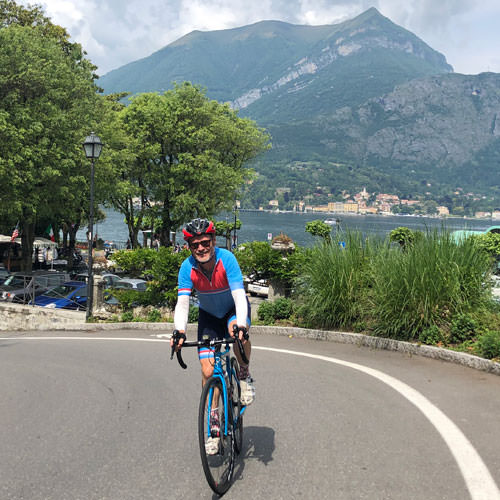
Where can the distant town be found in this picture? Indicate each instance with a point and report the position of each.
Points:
(365, 203)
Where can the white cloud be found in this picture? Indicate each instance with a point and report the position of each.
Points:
(115, 32)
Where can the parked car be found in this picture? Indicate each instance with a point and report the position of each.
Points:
(68, 295)
(137, 285)
(132, 283)
(22, 287)
(4, 274)
(108, 278)
(258, 288)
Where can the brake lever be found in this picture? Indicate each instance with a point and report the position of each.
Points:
(236, 332)
(177, 336)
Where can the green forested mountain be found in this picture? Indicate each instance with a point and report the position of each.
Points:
(360, 103)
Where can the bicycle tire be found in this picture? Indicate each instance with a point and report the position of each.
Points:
(236, 407)
(218, 468)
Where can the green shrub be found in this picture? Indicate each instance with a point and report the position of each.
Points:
(336, 281)
(266, 312)
(127, 317)
(463, 328)
(154, 316)
(432, 336)
(434, 280)
(193, 314)
(159, 267)
(402, 235)
(259, 260)
(282, 308)
(270, 312)
(488, 344)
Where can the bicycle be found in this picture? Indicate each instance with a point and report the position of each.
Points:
(221, 394)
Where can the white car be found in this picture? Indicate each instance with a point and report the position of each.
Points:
(132, 284)
(258, 288)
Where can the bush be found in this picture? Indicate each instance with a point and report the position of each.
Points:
(161, 269)
(283, 308)
(259, 260)
(402, 235)
(336, 281)
(266, 312)
(432, 336)
(434, 280)
(154, 316)
(463, 328)
(193, 314)
(488, 344)
(127, 317)
(270, 312)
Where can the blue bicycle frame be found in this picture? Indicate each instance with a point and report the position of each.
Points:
(220, 373)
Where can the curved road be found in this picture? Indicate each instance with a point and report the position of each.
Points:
(93, 418)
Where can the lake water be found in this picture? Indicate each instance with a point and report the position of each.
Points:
(257, 225)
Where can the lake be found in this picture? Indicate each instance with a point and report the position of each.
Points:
(257, 225)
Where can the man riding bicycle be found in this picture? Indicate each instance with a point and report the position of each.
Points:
(216, 276)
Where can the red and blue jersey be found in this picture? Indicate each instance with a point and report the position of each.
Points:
(215, 294)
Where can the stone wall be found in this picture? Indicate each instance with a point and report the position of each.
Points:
(21, 317)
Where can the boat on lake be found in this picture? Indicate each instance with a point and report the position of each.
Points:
(332, 222)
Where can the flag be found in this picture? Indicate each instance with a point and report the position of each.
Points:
(50, 232)
(15, 233)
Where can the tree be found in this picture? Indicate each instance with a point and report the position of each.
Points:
(45, 98)
(319, 228)
(187, 155)
(402, 235)
(225, 228)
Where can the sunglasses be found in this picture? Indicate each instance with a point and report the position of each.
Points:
(203, 243)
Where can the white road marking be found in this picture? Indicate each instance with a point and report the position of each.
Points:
(478, 479)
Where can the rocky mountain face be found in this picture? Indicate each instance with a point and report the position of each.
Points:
(365, 94)
(428, 128)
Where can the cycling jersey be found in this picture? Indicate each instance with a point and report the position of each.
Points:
(214, 294)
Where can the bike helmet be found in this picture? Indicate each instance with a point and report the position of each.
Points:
(197, 227)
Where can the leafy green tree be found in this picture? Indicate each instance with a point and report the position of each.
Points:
(319, 228)
(187, 155)
(226, 229)
(402, 235)
(47, 92)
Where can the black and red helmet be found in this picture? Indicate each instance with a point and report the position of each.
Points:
(197, 227)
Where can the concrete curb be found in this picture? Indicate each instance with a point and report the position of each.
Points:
(358, 339)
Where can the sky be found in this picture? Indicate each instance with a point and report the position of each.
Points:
(116, 32)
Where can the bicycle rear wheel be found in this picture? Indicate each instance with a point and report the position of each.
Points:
(236, 407)
(218, 467)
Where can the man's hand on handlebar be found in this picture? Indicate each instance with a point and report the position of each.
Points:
(241, 331)
(177, 340)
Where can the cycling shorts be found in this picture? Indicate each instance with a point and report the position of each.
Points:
(215, 328)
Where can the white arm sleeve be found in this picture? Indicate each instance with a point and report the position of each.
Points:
(240, 302)
(181, 313)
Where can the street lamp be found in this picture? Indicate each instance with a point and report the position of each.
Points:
(92, 147)
(234, 245)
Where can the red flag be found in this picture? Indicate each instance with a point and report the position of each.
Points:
(15, 233)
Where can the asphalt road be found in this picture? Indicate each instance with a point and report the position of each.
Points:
(116, 419)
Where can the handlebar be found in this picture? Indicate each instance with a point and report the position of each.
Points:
(209, 343)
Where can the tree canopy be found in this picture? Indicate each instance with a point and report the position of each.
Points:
(46, 93)
(186, 156)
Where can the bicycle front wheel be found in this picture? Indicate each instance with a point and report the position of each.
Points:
(216, 445)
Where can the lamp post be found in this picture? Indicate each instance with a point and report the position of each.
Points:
(92, 147)
(234, 245)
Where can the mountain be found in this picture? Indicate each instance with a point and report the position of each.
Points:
(363, 102)
(272, 63)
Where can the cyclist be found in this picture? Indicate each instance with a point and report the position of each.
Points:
(216, 276)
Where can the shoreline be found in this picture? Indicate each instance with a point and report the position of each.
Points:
(348, 214)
